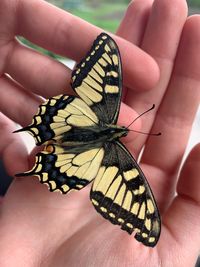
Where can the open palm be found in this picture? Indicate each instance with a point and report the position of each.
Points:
(39, 228)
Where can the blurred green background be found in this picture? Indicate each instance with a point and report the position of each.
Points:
(103, 14)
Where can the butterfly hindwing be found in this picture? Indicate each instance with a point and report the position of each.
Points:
(121, 194)
(97, 79)
(64, 170)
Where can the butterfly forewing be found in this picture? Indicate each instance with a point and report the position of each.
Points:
(97, 79)
(58, 116)
(121, 194)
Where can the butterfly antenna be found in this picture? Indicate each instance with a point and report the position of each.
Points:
(141, 115)
(152, 134)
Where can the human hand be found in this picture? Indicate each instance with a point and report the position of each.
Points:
(48, 229)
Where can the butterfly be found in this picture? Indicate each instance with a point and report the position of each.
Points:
(82, 144)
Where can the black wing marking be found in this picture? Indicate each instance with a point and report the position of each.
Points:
(121, 194)
(97, 79)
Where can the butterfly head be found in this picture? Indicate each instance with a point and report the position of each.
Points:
(118, 131)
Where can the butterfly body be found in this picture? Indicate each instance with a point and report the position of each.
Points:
(82, 144)
(94, 135)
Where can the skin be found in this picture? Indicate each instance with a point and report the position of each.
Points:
(39, 228)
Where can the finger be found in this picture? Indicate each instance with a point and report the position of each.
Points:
(17, 103)
(125, 120)
(62, 33)
(177, 112)
(133, 25)
(40, 74)
(11, 147)
(182, 218)
(161, 40)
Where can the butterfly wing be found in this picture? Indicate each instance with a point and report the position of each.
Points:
(97, 79)
(58, 116)
(121, 194)
(63, 169)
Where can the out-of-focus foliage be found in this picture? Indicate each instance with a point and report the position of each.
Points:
(103, 14)
(194, 3)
